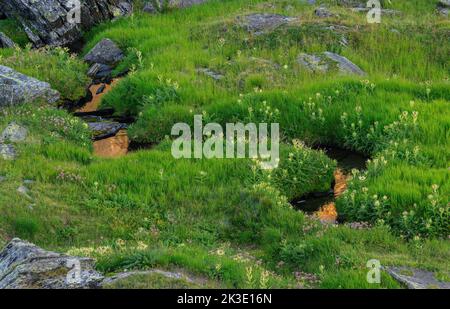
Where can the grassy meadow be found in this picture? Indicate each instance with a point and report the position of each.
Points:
(227, 221)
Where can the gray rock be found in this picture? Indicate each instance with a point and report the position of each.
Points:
(105, 52)
(100, 71)
(14, 133)
(327, 62)
(313, 63)
(416, 278)
(2, 178)
(5, 41)
(345, 66)
(105, 129)
(17, 88)
(7, 152)
(125, 8)
(208, 72)
(323, 12)
(46, 22)
(26, 266)
(259, 23)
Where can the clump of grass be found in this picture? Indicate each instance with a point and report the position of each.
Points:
(57, 66)
(13, 30)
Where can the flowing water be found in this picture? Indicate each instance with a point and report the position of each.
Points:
(112, 146)
(323, 204)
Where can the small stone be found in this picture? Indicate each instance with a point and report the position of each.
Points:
(323, 12)
(14, 133)
(2, 178)
(7, 152)
(105, 129)
(24, 191)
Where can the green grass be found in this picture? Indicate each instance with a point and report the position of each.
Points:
(14, 31)
(226, 220)
(63, 71)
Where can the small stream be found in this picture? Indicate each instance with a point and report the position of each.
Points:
(322, 204)
(109, 132)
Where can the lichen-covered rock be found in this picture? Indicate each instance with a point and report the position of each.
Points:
(46, 22)
(327, 62)
(259, 23)
(313, 63)
(416, 278)
(26, 266)
(5, 41)
(105, 129)
(14, 133)
(105, 52)
(7, 152)
(17, 88)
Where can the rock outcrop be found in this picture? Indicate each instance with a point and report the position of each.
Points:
(260, 23)
(17, 88)
(26, 266)
(51, 22)
(328, 62)
(416, 278)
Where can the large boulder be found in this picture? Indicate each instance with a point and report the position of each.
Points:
(17, 88)
(46, 22)
(26, 266)
(5, 41)
(328, 62)
(105, 52)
